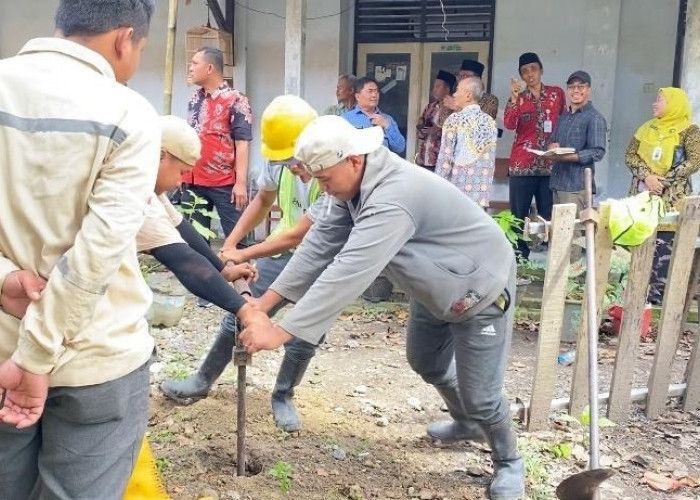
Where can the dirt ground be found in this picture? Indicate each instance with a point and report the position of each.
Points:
(364, 416)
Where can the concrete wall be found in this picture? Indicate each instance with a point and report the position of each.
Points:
(645, 63)
(690, 78)
(258, 56)
(626, 45)
(265, 55)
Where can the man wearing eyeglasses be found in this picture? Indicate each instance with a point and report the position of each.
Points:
(583, 128)
(580, 127)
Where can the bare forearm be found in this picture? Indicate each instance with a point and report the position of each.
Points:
(241, 162)
(281, 243)
(253, 215)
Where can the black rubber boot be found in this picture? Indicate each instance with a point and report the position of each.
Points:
(290, 374)
(460, 428)
(197, 386)
(508, 466)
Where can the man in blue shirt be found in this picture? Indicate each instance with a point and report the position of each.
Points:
(366, 113)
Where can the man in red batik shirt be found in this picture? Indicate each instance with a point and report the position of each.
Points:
(222, 118)
(533, 114)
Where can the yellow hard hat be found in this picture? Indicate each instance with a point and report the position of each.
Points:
(282, 122)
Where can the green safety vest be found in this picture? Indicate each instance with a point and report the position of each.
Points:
(285, 199)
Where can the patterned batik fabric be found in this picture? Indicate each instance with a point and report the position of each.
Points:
(527, 117)
(220, 118)
(489, 104)
(467, 154)
(434, 115)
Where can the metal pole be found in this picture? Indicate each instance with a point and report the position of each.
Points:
(589, 224)
(240, 420)
(241, 359)
(520, 408)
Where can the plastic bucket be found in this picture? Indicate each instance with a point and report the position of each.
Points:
(616, 312)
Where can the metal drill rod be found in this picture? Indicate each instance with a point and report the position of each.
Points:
(590, 218)
(241, 359)
(240, 421)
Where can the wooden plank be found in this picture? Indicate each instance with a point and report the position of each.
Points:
(603, 252)
(551, 313)
(634, 300)
(692, 372)
(672, 309)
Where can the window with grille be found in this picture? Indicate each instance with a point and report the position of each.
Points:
(423, 20)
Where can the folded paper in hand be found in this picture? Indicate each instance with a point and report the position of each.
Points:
(552, 152)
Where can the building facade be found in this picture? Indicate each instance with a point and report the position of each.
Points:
(630, 48)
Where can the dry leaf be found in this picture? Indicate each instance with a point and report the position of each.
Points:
(662, 483)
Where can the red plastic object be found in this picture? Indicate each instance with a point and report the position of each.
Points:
(616, 313)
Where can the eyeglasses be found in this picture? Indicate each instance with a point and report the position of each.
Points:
(578, 88)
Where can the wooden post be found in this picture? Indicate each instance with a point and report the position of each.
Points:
(551, 314)
(672, 310)
(170, 57)
(294, 47)
(633, 303)
(692, 372)
(603, 252)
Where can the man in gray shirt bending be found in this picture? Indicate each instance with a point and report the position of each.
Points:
(448, 256)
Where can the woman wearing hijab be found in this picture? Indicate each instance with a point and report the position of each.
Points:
(663, 154)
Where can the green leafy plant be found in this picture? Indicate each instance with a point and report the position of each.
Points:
(535, 469)
(574, 290)
(177, 372)
(531, 269)
(585, 419)
(561, 450)
(509, 224)
(163, 464)
(196, 205)
(162, 436)
(282, 472)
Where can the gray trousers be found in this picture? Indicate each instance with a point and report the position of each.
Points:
(578, 198)
(473, 354)
(84, 447)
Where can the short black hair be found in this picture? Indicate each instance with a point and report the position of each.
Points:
(360, 83)
(94, 17)
(213, 56)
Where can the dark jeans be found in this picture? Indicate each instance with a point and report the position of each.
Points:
(215, 197)
(521, 191)
(84, 446)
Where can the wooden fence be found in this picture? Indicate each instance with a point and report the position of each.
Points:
(680, 290)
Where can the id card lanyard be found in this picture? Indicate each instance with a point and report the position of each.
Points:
(547, 125)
